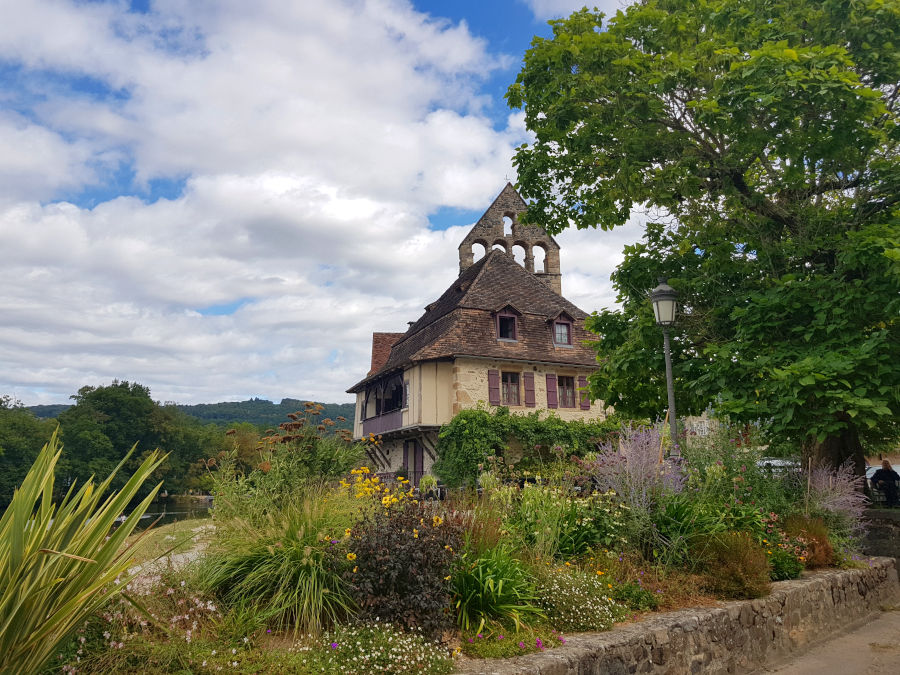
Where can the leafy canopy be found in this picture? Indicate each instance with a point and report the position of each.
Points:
(761, 137)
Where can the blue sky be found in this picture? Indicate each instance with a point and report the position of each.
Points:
(222, 199)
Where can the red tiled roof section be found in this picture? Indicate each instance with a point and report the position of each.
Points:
(381, 349)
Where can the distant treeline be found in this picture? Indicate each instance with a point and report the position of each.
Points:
(105, 422)
(256, 411)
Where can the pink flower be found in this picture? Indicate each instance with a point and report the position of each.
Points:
(539, 644)
(522, 645)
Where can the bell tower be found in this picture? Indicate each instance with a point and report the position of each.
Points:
(500, 228)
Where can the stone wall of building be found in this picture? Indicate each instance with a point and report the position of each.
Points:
(470, 385)
(735, 637)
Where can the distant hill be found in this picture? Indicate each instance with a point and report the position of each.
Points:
(46, 412)
(265, 413)
(257, 411)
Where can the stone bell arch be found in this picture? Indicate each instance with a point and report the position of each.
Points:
(491, 229)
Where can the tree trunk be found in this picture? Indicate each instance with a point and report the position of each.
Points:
(837, 448)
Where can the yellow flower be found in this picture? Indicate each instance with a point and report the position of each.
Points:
(599, 572)
(415, 533)
(351, 556)
(447, 578)
(354, 569)
(610, 585)
(347, 532)
(436, 521)
(568, 564)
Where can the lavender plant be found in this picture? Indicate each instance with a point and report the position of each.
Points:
(836, 496)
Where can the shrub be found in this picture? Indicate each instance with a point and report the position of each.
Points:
(402, 561)
(58, 562)
(290, 567)
(575, 600)
(634, 596)
(814, 534)
(298, 453)
(735, 565)
(492, 586)
(555, 521)
(785, 564)
(836, 497)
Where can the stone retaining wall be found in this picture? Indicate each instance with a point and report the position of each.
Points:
(734, 637)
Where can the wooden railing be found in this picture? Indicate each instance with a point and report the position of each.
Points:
(383, 423)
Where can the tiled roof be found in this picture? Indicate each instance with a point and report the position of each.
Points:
(462, 321)
(381, 349)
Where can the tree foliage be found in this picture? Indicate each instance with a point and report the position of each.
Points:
(22, 436)
(761, 136)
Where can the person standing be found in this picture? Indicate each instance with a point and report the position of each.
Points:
(886, 480)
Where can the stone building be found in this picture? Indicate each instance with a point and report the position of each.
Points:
(502, 334)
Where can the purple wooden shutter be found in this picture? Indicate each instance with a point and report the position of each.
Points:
(552, 393)
(406, 454)
(528, 381)
(583, 393)
(494, 387)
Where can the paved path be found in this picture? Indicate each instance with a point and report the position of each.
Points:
(872, 649)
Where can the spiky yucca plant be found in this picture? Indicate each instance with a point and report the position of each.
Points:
(58, 562)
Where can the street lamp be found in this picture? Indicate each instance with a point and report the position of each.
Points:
(665, 303)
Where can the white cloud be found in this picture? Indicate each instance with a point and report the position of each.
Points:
(314, 139)
(553, 9)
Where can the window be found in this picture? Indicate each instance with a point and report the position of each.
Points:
(509, 389)
(506, 327)
(562, 333)
(566, 391)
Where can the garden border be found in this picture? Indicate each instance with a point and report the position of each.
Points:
(732, 637)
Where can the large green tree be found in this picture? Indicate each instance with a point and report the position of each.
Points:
(107, 421)
(760, 137)
(22, 436)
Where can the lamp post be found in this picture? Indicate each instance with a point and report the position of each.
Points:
(665, 304)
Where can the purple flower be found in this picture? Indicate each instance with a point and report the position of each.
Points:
(499, 637)
(334, 645)
(471, 640)
(334, 541)
(539, 644)
(562, 639)
(480, 635)
(521, 645)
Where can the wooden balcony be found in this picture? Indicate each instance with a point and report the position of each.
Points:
(383, 423)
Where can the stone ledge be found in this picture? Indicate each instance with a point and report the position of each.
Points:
(734, 637)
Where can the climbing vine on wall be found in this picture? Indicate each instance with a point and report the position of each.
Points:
(474, 435)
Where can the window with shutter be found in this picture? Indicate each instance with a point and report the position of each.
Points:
(494, 387)
(552, 401)
(566, 391)
(509, 388)
(583, 393)
(528, 383)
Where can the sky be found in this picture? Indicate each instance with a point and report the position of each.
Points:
(222, 199)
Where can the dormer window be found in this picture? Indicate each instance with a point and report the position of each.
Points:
(507, 324)
(562, 333)
(506, 327)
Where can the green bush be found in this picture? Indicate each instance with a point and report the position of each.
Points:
(635, 597)
(734, 564)
(402, 561)
(575, 600)
(58, 562)
(290, 567)
(785, 565)
(492, 586)
(474, 435)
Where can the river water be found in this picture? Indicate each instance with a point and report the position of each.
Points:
(173, 509)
